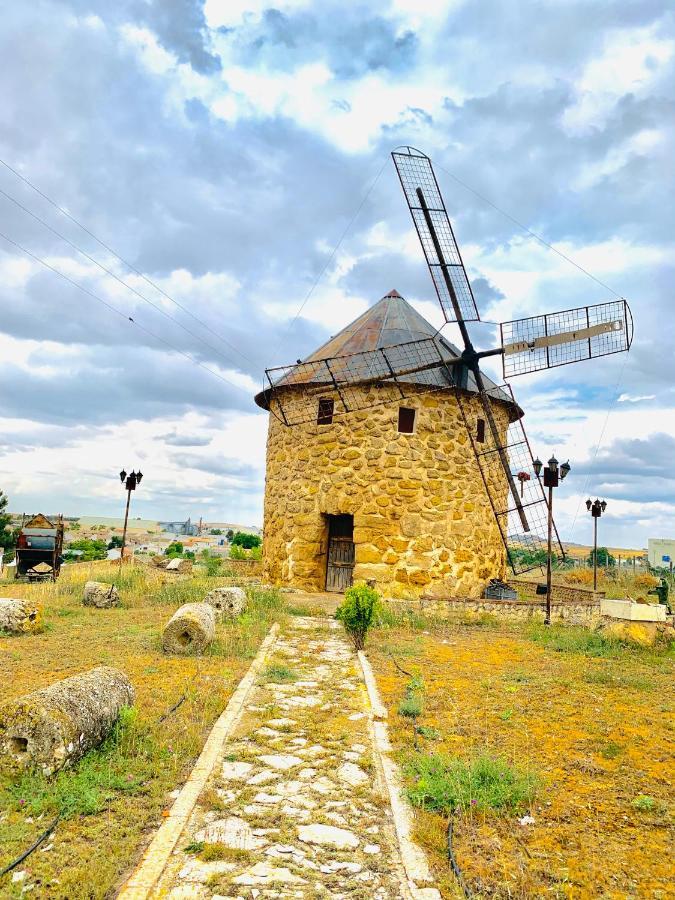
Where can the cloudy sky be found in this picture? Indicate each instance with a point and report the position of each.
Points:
(217, 153)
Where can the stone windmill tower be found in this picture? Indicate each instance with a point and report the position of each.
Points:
(402, 460)
(391, 492)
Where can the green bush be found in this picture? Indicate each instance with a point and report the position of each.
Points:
(212, 565)
(443, 784)
(91, 550)
(357, 612)
(237, 552)
(245, 540)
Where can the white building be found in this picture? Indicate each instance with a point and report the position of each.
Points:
(661, 551)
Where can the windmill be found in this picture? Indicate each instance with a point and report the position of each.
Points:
(526, 345)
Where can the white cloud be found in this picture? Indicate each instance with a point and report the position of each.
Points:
(633, 59)
(626, 398)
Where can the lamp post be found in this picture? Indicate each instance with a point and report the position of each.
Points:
(553, 475)
(129, 482)
(596, 508)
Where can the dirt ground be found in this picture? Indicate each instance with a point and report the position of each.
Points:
(113, 800)
(597, 732)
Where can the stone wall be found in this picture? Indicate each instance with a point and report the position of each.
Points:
(559, 592)
(423, 524)
(573, 613)
(250, 568)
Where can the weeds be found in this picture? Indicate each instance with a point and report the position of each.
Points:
(278, 673)
(609, 679)
(568, 639)
(444, 784)
(643, 803)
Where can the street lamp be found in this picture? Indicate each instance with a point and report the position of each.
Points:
(596, 508)
(129, 482)
(553, 475)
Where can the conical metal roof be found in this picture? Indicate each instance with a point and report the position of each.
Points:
(390, 322)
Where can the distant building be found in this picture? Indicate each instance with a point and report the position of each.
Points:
(658, 548)
(184, 528)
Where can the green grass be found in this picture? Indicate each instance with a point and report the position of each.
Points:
(119, 766)
(410, 707)
(442, 784)
(609, 679)
(610, 750)
(643, 803)
(278, 673)
(569, 639)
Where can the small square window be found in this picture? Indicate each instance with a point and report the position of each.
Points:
(406, 420)
(325, 414)
(480, 431)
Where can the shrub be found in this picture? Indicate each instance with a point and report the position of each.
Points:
(357, 612)
(245, 540)
(580, 576)
(412, 704)
(646, 581)
(443, 784)
(237, 552)
(213, 564)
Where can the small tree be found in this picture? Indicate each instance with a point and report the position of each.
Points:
(174, 549)
(230, 534)
(245, 540)
(8, 535)
(216, 531)
(115, 541)
(357, 612)
(605, 558)
(90, 549)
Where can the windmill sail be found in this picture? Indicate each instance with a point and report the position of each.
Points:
(557, 339)
(436, 235)
(521, 510)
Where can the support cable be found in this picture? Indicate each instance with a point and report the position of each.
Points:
(121, 258)
(117, 278)
(119, 312)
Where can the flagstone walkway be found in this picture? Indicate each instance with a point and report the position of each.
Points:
(295, 807)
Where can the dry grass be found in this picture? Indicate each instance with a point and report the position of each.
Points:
(115, 798)
(594, 731)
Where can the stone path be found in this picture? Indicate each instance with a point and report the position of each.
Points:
(295, 807)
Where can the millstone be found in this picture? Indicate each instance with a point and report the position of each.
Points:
(55, 726)
(190, 630)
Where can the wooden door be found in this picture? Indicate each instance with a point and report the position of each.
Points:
(340, 565)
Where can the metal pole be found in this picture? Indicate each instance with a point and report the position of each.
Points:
(595, 553)
(124, 533)
(547, 620)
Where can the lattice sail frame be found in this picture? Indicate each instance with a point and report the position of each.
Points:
(415, 172)
(532, 498)
(294, 391)
(561, 338)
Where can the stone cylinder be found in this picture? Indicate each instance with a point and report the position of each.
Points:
(100, 595)
(19, 616)
(191, 629)
(227, 601)
(55, 726)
